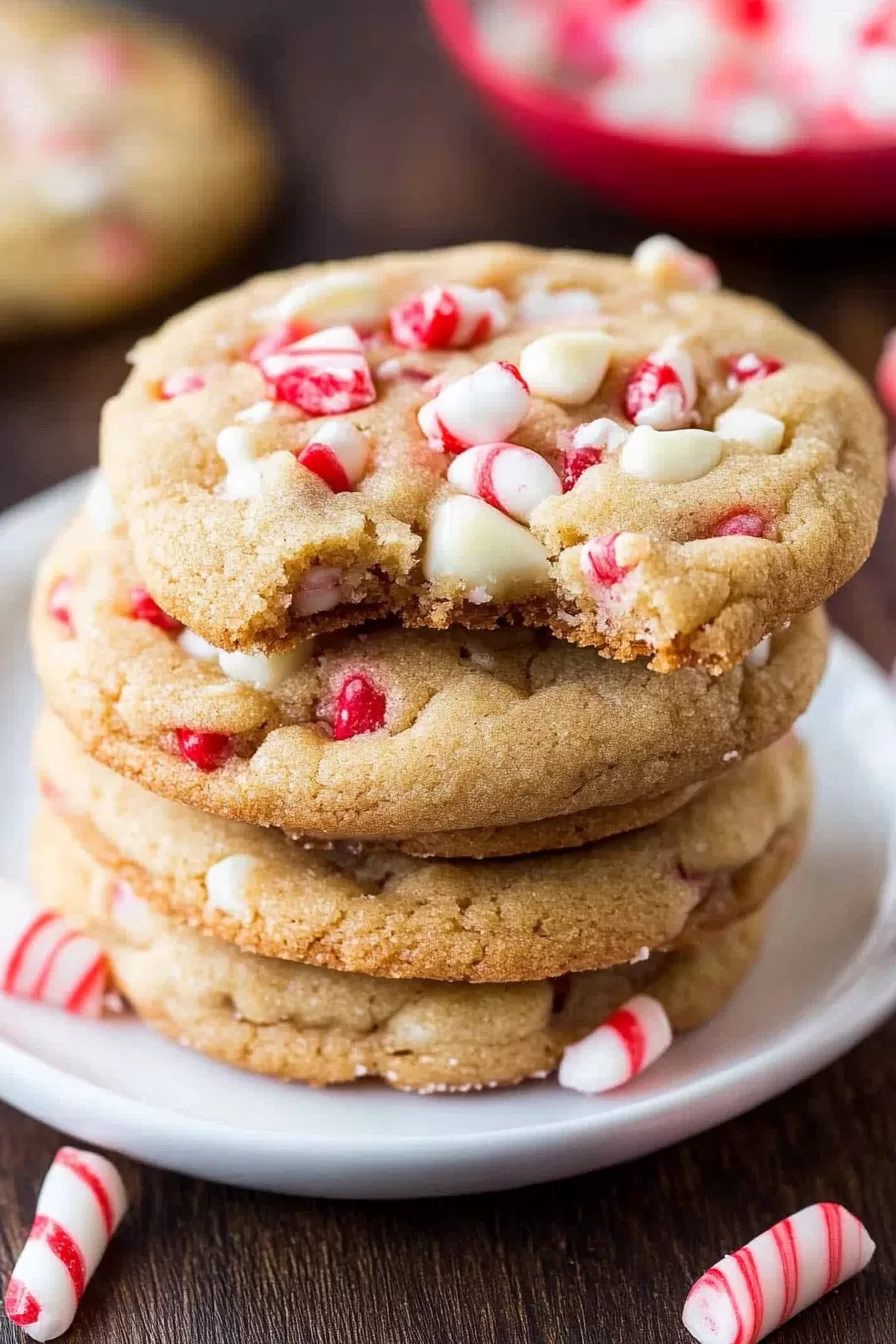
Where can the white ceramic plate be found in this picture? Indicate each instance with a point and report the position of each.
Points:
(827, 977)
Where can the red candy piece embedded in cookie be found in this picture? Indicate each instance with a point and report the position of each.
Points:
(451, 316)
(885, 377)
(599, 561)
(323, 374)
(576, 462)
(338, 454)
(207, 751)
(662, 390)
(745, 524)
(486, 406)
(180, 382)
(59, 603)
(750, 368)
(753, 17)
(880, 30)
(144, 607)
(360, 708)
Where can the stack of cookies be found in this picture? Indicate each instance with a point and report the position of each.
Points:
(420, 671)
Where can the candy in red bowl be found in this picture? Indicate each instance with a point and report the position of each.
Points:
(736, 114)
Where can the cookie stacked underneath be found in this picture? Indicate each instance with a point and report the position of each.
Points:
(320, 770)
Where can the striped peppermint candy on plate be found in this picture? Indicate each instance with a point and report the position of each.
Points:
(781, 1272)
(338, 453)
(323, 374)
(484, 407)
(662, 390)
(625, 1045)
(45, 959)
(449, 317)
(81, 1203)
(512, 479)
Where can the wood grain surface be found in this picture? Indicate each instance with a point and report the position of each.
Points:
(383, 147)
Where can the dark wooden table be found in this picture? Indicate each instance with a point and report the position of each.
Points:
(384, 148)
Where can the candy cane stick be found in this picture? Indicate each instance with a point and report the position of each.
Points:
(625, 1045)
(81, 1203)
(784, 1270)
(43, 958)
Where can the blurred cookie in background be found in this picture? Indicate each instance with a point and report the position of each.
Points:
(131, 159)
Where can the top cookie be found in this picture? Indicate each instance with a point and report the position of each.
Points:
(610, 448)
(129, 160)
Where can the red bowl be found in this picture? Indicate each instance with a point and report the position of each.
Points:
(703, 186)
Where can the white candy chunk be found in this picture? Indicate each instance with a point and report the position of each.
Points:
(509, 478)
(226, 883)
(516, 38)
(484, 407)
(243, 480)
(761, 123)
(320, 590)
(665, 261)
(872, 90)
(567, 366)
(194, 646)
(601, 433)
(762, 433)
(265, 671)
(257, 413)
(345, 297)
(557, 305)
(101, 508)
(760, 653)
(670, 455)
(470, 541)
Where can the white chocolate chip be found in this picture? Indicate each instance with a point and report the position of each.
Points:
(265, 671)
(557, 305)
(194, 646)
(345, 297)
(226, 883)
(760, 653)
(256, 413)
(755, 430)
(470, 541)
(236, 446)
(567, 366)
(670, 455)
(101, 508)
(76, 185)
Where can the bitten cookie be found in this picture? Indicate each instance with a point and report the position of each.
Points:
(389, 732)
(610, 448)
(317, 1026)
(130, 160)
(358, 908)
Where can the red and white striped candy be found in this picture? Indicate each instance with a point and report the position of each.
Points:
(484, 407)
(321, 589)
(625, 1045)
(662, 391)
(886, 374)
(323, 374)
(512, 479)
(449, 316)
(665, 261)
(43, 958)
(588, 446)
(781, 1272)
(81, 1203)
(338, 454)
(181, 382)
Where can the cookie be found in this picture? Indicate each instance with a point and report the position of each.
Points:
(370, 910)
(317, 1026)
(389, 732)
(500, 434)
(130, 161)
